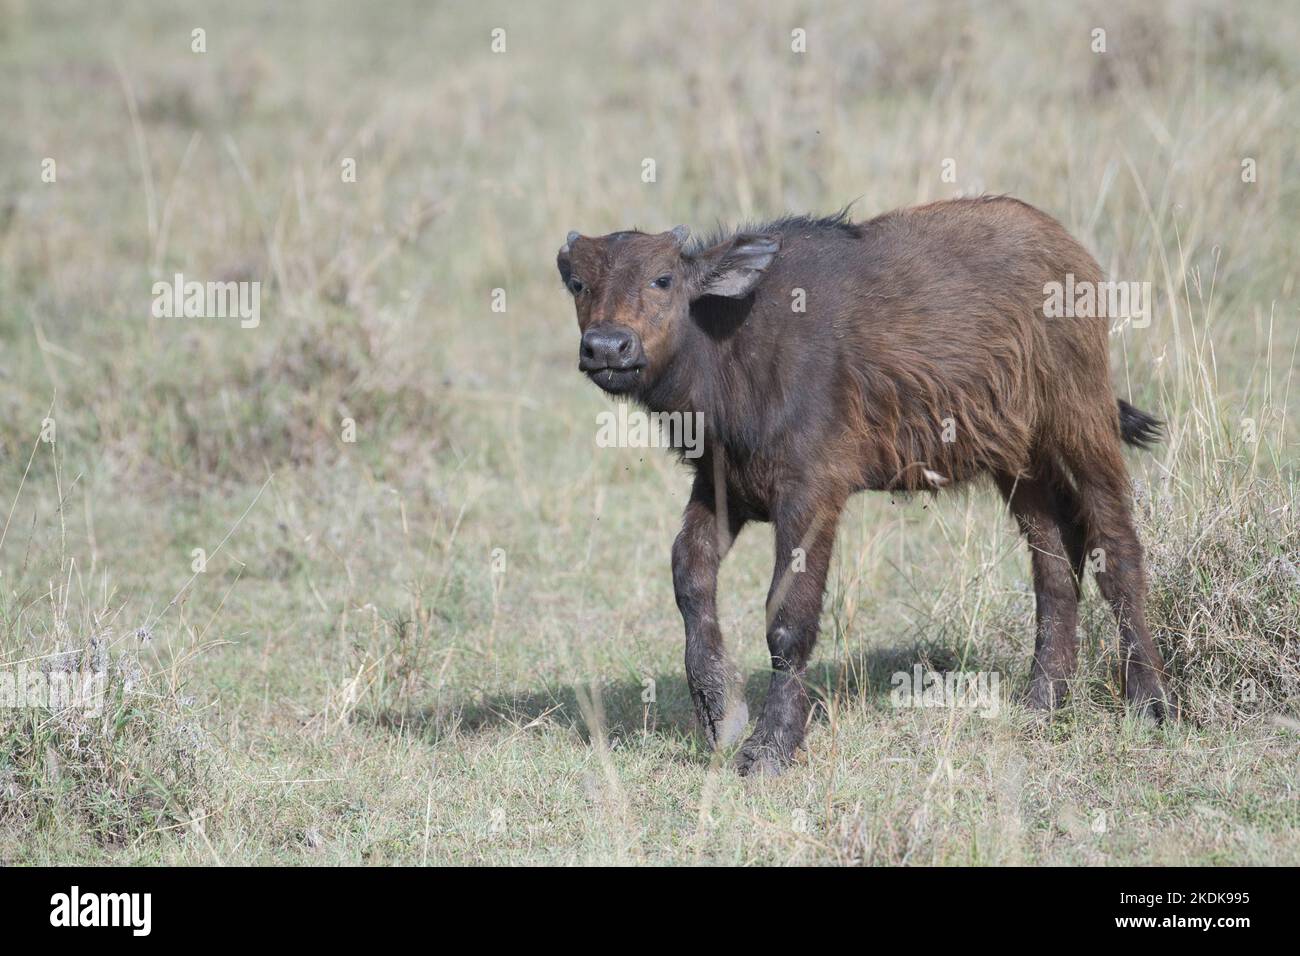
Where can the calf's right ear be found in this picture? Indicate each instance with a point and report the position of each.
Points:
(733, 267)
(562, 258)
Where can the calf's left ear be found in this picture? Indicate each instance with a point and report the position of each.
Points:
(734, 267)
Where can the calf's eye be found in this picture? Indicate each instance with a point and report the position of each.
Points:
(576, 286)
(663, 282)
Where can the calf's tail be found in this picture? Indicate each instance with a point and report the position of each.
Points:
(1137, 427)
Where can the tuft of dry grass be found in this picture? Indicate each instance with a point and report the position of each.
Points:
(1226, 598)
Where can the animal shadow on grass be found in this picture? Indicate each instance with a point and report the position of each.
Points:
(659, 705)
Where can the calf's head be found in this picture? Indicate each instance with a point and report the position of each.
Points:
(633, 293)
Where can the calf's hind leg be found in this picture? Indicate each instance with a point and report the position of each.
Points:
(1106, 510)
(1040, 509)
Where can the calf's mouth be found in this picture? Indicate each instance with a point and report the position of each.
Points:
(616, 381)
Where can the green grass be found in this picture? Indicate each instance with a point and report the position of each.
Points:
(351, 681)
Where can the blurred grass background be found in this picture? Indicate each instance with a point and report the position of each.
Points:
(350, 681)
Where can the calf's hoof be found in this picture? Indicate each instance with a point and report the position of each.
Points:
(1145, 689)
(722, 718)
(762, 756)
(1153, 704)
(1045, 694)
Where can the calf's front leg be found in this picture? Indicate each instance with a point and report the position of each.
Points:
(805, 537)
(715, 685)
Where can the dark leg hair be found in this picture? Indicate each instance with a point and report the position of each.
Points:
(805, 538)
(1115, 555)
(1055, 555)
(714, 682)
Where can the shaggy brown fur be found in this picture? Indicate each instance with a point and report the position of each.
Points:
(921, 359)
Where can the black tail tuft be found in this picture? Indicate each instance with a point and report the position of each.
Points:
(1137, 427)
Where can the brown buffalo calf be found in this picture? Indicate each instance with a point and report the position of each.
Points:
(828, 357)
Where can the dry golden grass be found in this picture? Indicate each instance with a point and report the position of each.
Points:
(350, 681)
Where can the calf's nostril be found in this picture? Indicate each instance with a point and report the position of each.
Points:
(608, 347)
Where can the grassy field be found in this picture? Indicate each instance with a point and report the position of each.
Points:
(453, 640)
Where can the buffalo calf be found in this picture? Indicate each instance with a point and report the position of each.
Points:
(910, 352)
